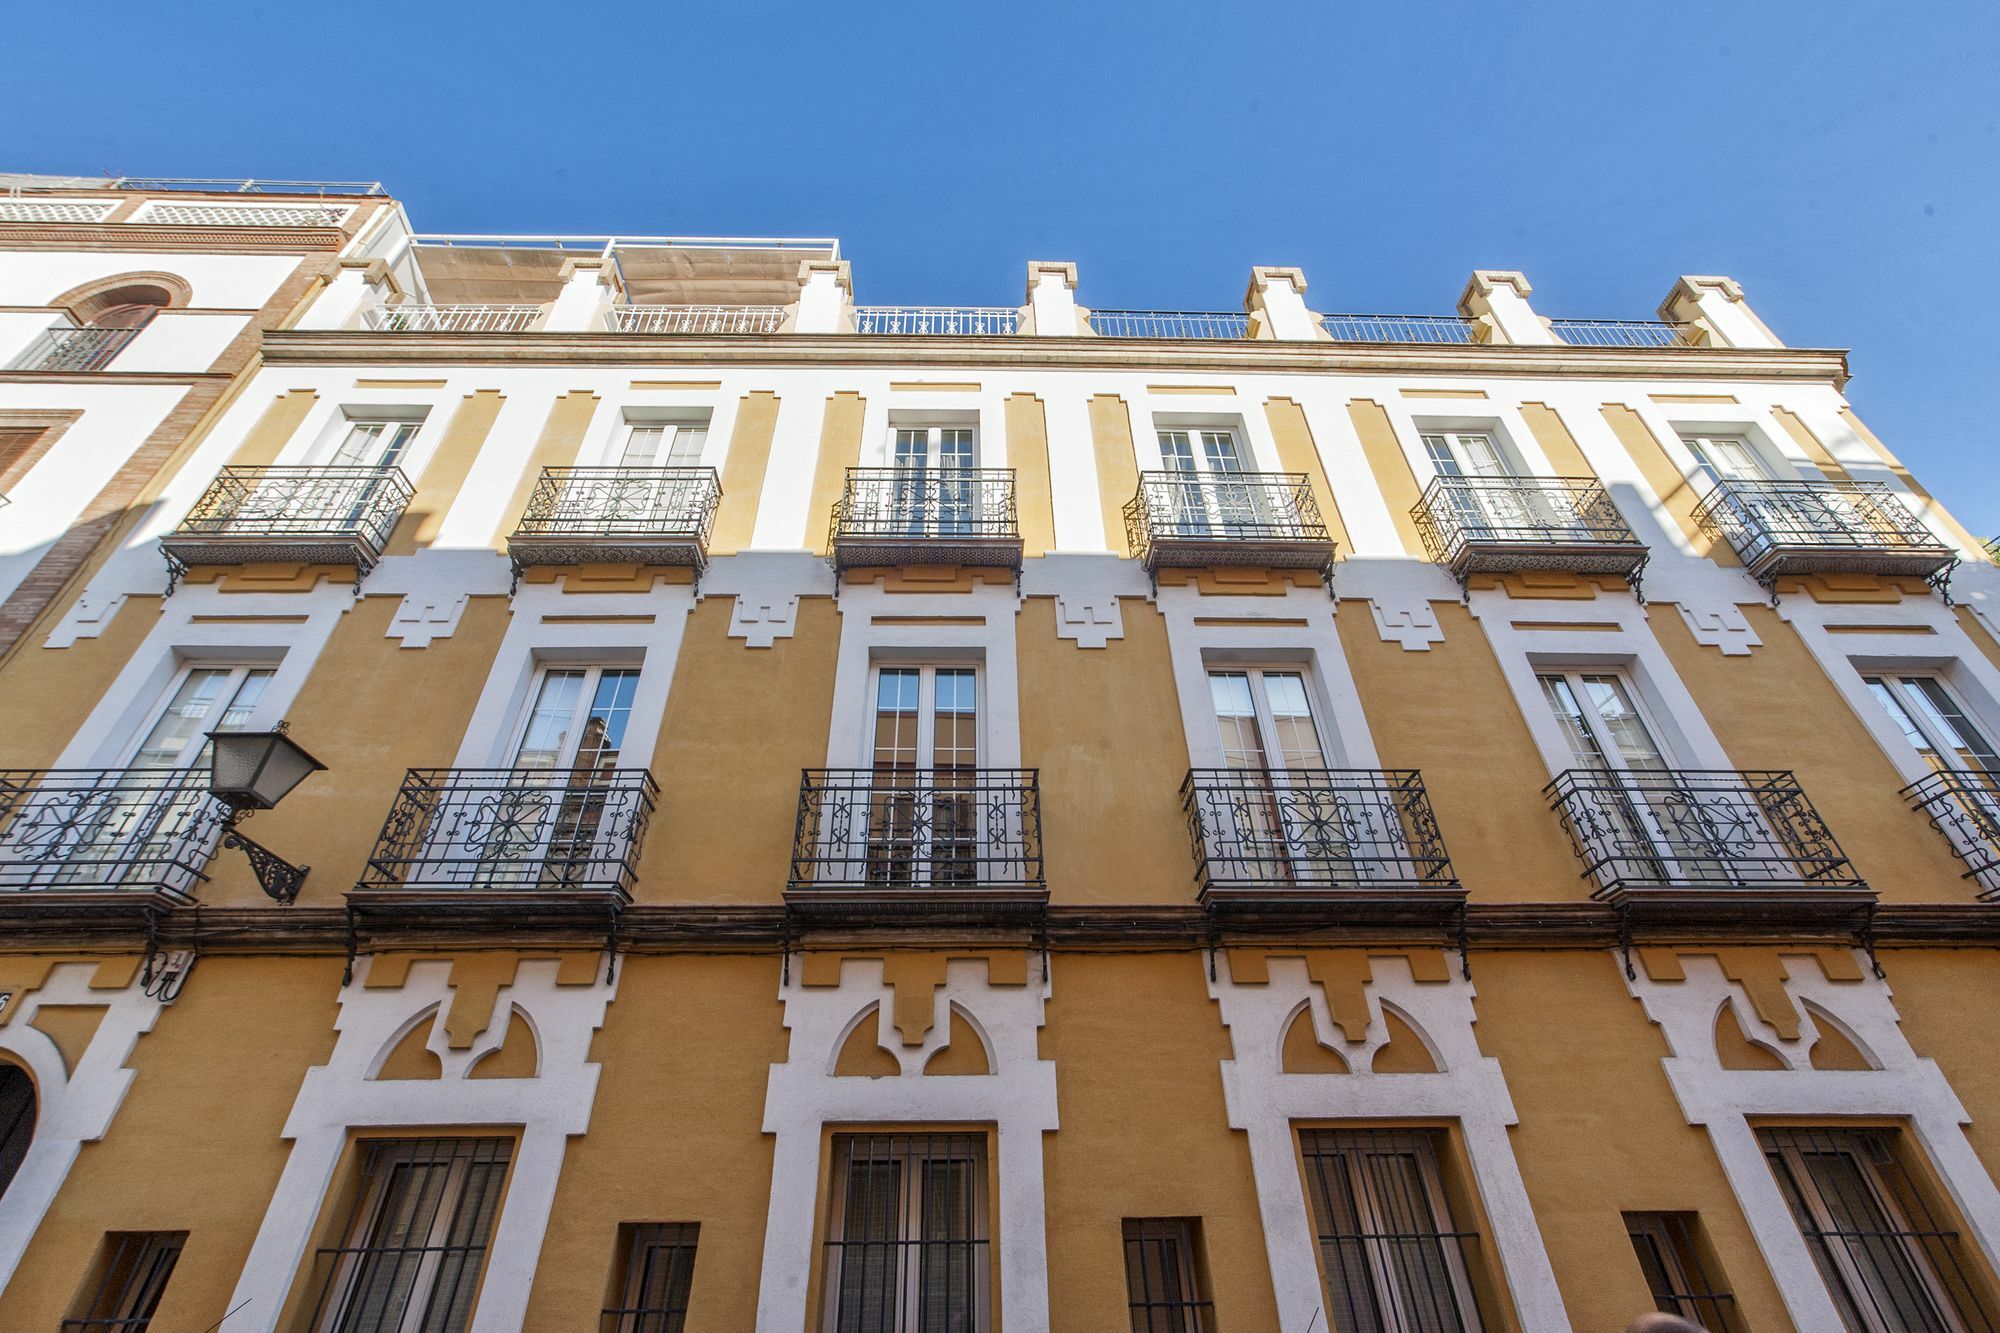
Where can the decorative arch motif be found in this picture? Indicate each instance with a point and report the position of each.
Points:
(87, 301)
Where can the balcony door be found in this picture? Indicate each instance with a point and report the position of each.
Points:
(656, 487)
(662, 444)
(1728, 458)
(922, 827)
(371, 444)
(1941, 730)
(1204, 501)
(573, 733)
(341, 491)
(1489, 496)
(935, 492)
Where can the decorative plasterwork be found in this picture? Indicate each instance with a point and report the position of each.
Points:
(1783, 1001)
(1002, 997)
(1350, 996)
(766, 588)
(1087, 589)
(561, 999)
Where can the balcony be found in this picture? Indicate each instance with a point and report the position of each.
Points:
(1197, 520)
(937, 321)
(68, 350)
(141, 837)
(1704, 841)
(1207, 324)
(1965, 807)
(935, 843)
(1500, 525)
(937, 516)
(312, 515)
(1620, 333)
(1403, 329)
(617, 515)
(1780, 528)
(685, 319)
(453, 318)
(508, 842)
(1353, 843)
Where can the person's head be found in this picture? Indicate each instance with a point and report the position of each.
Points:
(1655, 1322)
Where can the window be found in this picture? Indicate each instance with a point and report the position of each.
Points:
(1165, 1280)
(662, 444)
(17, 1118)
(931, 497)
(1209, 450)
(1934, 723)
(562, 731)
(1889, 1260)
(658, 1267)
(1727, 457)
(916, 448)
(906, 1235)
(1604, 728)
(205, 699)
(1671, 1254)
(1389, 1254)
(21, 447)
(413, 1247)
(1466, 454)
(1266, 719)
(131, 1274)
(372, 443)
(922, 824)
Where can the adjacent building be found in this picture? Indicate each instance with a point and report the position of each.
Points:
(855, 819)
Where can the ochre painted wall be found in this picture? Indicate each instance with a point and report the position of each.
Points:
(1937, 992)
(1137, 1045)
(743, 470)
(1106, 734)
(50, 691)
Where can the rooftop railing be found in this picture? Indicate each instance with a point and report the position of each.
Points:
(145, 831)
(1402, 328)
(696, 318)
(1207, 518)
(1500, 524)
(453, 318)
(1619, 333)
(1801, 527)
(1212, 324)
(231, 186)
(1965, 807)
(316, 515)
(918, 834)
(948, 321)
(926, 516)
(1680, 831)
(65, 350)
(513, 830)
(633, 515)
(1295, 832)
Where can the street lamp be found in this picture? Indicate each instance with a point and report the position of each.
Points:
(254, 770)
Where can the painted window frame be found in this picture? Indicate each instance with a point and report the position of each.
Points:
(908, 1316)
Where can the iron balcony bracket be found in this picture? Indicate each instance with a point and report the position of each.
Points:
(1463, 933)
(1941, 581)
(1625, 939)
(353, 947)
(1867, 938)
(279, 878)
(177, 570)
(1636, 579)
(611, 943)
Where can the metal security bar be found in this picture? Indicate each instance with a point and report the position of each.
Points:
(1200, 518)
(1619, 333)
(133, 1269)
(66, 349)
(1670, 1255)
(318, 515)
(1890, 1258)
(1212, 324)
(942, 830)
(955, 321)
(1964, 805)
(413, 1244)
(639, 515)
(1163, 1279)
(1402, 328)
(513, 830)
(963, 516)
(659, 1275)
(1392, 1260)
(140, 830)
(1299, 830)
(453, 318)
(906, 1248)
(1802, 527)
(696, 318)
(1683, 829)
(1498, 524)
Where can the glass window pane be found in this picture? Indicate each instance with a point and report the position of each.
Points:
(547, 734)
(603, 734)
(642, 446)
(1176, 451)
(689, 442)
(1950, 724)
(1219, 449)
(955, 740)
(1892, 703)
(184, 720)
(1583, 747)
(896, 693)
(1291, 716)
(1621, 721)
(1236, 716)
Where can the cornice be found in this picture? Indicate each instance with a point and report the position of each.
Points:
(374, 348)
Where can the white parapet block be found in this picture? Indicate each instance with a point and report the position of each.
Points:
(1499, 298)
(356, 286)
(1715, 309)
(1276, 302)
(1051, 303)
(590, 289)
(826, 298)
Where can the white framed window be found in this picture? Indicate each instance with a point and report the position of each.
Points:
(662, 444)
(1935, 724)
(925, 717)
(921, 448)
(1467, 453)
(370, 442)
(577, 718)
(203, 697)
(922, 822)
(1601, 719)
(907, 1245)
(1722, 456)
(1211, 449)
(1265, 718)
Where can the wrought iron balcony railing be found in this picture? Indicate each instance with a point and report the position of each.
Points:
(1620, 333)
(1700, 833)
(1779, 528)
(926, 516)
(315, 515)
(147, 831)
(1190, 520)
(696, 318)
(1315, 834)
(919, 837)
(617, 515)
(1489, 525)
(71, 349)
(1965, 807)
(453, 318)
(1402, 328)
(1169, 324)
(513, 830)
(955, 321)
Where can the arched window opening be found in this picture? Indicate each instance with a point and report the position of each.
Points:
(17, 1120)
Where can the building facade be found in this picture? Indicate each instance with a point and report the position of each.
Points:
(851, 818)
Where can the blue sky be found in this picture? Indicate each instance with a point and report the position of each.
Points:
(1841, 160)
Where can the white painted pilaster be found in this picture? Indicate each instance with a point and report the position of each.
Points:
(1500, 297)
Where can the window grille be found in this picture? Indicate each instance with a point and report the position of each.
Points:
(132, 1274)
(1164, 1279)
(1670, 1254)
(1892, 1263)
(413, 1245)
(246, 215)
(1392, 1260)
(659, 1270)
(17, 1116)
(906, 1235)
(54, 210)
